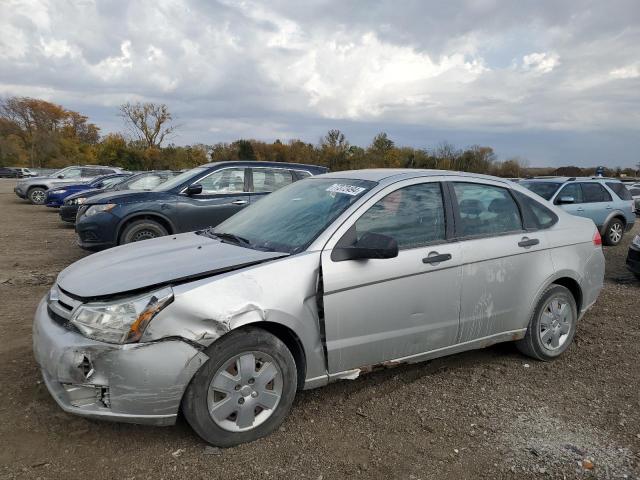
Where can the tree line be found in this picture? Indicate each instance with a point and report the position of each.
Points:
(38, 133)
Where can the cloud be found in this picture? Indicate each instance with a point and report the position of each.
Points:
(493, 69)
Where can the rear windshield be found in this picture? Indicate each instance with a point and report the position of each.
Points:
(620, 189)
(544, 189)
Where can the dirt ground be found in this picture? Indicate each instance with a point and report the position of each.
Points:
(486, 414)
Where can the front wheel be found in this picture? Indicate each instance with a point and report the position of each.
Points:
(552, 325)
(142, 230)
(244, 391)
(37, 195)
(614, 232)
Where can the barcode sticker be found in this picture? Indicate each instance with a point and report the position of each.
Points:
(345, 189)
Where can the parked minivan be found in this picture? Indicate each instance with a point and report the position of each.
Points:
(198, 198)
(322, 280)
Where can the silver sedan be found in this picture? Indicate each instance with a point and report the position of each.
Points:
(323, 280)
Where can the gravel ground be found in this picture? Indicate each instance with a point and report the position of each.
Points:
(486, 414)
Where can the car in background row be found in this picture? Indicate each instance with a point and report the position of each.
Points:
(35, 189)
(323, 280)
(141, 181)
(55, 196)
(634, 190)
(16, 172)
(198, 198)
(606, 201)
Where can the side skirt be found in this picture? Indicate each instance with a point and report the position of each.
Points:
(483, 342)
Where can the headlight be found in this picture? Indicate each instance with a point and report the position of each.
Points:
(93, 209)
(121, 321)
(636, 241)
(76, 201)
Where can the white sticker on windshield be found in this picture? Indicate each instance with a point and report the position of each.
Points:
(346, 189)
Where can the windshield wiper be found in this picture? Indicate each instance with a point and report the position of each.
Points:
(229, 238)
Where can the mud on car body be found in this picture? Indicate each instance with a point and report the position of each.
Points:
(320, 281)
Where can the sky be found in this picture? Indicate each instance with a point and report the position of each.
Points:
(554, 82)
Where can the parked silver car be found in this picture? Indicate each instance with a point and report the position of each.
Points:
(320, 281)
(35, 189)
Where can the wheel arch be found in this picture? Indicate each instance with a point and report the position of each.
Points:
(31, 187)
(615, 214)
(289, 337)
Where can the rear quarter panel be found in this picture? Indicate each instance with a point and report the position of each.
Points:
(575, 256)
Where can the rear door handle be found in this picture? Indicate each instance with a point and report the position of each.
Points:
(580, 209)
(609, 207)
(528, 242)
(239, 202)
(435, 257)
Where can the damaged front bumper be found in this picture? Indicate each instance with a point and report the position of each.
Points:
(134, 383)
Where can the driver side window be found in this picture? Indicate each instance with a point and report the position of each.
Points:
(413, 216)
(570, 190)
(72, 173)
(229, 180)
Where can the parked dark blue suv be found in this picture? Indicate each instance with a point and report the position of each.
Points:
(199, 198)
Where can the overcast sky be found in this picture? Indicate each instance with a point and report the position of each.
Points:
(555, 82)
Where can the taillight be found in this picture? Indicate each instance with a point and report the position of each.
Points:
(597, 239)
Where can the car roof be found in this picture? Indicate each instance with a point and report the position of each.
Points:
(390, 175)
(264, 164)
(571, 179)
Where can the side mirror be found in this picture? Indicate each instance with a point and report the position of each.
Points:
(370, 245)
(99, 185)
(61, 176)
(194, 189)
(564, 200)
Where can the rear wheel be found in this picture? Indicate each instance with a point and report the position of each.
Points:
(552, 325)
(244, 391)
(142, 230)
(37, 195)
(614, 232)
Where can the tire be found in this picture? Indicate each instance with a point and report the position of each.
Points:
(37, 195)
(268, 354)
(142, 230)
(547, 344)
(614, 232)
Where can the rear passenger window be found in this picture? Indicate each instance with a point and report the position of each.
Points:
(621, 190)
(536, 215)
(594, 192)
(413, 215)
(270, 179)
(486, 210)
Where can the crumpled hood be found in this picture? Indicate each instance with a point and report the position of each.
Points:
(130, 196)
(154, 262)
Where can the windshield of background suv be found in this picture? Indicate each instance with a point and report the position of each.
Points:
(544, 189)
(183, 177)
(289, 219)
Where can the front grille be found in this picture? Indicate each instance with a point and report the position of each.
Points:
(60, 320)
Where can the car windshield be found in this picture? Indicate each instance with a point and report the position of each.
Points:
(292, 217)
(183, 177)
(544, 189)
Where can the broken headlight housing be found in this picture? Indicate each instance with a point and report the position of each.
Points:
(120, 321)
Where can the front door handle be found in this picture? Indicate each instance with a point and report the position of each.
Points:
(239, 202)
(528, 242)
(580, 209)
(435, 257)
